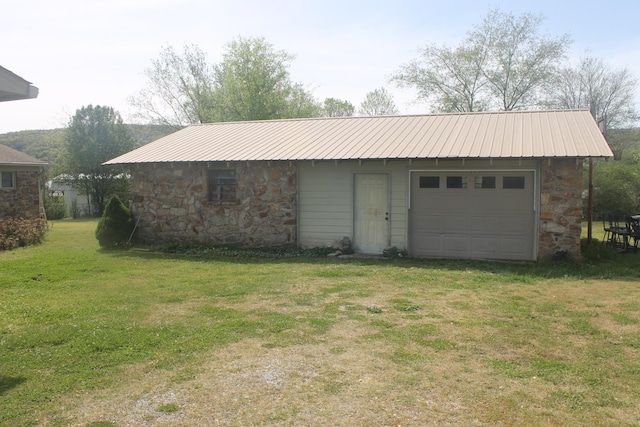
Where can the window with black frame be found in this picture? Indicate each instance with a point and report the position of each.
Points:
(222, 185)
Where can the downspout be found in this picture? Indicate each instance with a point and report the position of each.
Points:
(41, 195)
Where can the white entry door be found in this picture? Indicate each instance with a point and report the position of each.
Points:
(371, 212)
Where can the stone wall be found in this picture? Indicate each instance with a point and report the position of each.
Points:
(172, 204)
(25, 200)
(560, 208)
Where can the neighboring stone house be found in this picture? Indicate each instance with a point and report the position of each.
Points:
(21, 176)
(503, 185)
(21, 185)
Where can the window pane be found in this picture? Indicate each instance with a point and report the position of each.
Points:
(456, 182)
(429, 182)
(485, 182)
(513, 182)
(7, 179)
(222, 185)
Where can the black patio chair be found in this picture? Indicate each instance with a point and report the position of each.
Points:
(606, 239)
(619, 233)
(634, 233)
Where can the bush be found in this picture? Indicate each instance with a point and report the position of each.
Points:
(55, 207)
(115, 226)
(21, 232)
(597, 251)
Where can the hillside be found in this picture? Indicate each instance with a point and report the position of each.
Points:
(48, 144)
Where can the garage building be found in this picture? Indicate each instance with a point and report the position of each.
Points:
(500, 185)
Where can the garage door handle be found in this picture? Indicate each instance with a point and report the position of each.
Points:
(386, 216)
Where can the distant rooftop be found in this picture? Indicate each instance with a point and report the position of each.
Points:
(11, 157)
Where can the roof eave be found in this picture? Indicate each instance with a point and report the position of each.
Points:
(24, 164)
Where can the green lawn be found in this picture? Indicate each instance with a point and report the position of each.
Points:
(95, 338)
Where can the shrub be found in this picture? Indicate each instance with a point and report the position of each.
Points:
(55, 207)
(597, 251)
(21, 232)
(115, 226)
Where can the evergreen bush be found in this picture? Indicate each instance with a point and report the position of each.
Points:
(115, 226)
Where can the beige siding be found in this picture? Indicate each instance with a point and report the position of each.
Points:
(325, 194)
(324, 204)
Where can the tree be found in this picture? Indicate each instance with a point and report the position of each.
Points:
(591, 84)
(95, 135)
(503, 64)
(378, 103)
(301, 103)
(252, 82)
(520, 60)
(334, 107)
(620, 139)
(617, 187)
(451, 79)
(178, 90)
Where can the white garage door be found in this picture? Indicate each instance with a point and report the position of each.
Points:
(486, 215)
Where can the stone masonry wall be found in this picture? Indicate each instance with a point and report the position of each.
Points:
(560, 208)
(25, 200)
(173, 206)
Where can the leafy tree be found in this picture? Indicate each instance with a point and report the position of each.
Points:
(621, 139)
(503, 63)
(521, 62)
(451, 79)
(378, 103)
(591, 84)
(178, 89)
(301, 103)
(334, 107)
(617, 187)
(252, 82)
(95, 135)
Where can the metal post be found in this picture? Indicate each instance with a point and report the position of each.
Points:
(590, 206)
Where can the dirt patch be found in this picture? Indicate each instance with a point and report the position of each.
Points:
(449, 369)
(246, 383)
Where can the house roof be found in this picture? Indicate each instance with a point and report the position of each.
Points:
(11, 157)
(14, 87)
(513, 134)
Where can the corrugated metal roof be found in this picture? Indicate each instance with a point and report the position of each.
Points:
(519, 134)
(9, 156)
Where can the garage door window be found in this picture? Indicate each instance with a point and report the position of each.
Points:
(456, 182)
(485, 182)
(513, 182)
(429, 182)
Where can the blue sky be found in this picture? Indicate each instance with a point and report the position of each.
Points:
(80, 52)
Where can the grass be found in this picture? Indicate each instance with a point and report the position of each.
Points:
(91, 337)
